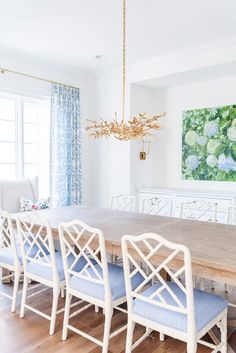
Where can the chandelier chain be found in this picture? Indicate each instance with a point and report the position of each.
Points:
(136, 127)
(124, 61)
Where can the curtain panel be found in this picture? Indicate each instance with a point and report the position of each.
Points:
(65, 146)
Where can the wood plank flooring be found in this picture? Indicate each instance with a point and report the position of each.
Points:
(30, 335)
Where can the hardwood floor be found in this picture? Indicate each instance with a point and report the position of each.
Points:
(30, 335)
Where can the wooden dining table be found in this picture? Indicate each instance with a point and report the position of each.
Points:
(212, 245)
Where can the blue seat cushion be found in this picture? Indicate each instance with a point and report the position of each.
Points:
(7, 257)
(96, 290)
(45, 272)
(207, 307)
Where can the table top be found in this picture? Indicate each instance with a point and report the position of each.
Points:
(212, 245)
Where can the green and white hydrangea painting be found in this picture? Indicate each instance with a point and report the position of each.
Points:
(209, 144)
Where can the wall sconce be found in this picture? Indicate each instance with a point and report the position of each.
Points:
(145, 149)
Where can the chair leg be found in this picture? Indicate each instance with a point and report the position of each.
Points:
(107, 327)
(226, 288)
(223, 331)
(191, 346)
(23, 300)
(56, 293)
(15, 291)
(62, 292)
(202, 284)
(66, 316)
(129, 336)
(162, 337)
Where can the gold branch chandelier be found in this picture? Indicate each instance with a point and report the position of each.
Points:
(135, 128)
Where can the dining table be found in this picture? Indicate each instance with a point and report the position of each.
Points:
(212, 245)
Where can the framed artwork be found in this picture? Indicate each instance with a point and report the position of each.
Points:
(209, 144)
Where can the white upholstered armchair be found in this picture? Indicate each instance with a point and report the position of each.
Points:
(12, 190)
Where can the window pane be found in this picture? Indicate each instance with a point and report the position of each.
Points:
(30, 153)
(36, 113)
(7, 171)
(36, 154)
(43, 134)
(42, 171)
(7, 109)
(36, 124)
(30, 170)
(30, 133)
(7, 152)
(7, 131)
(44, 115)
(43, 154)
(30, 113)
(34, 133)
(7, 138)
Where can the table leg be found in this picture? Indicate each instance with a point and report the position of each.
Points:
(5, 273)
(232, 323)
(216, 340)
(165, 275)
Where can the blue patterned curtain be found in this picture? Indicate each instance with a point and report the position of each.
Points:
(65, 155)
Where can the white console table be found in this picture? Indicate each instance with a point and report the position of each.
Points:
(223, 199)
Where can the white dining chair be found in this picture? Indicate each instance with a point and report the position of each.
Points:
(158, 205)
(98, 283)
(44, 266)
(199, 210)
(173, 307)
(10, 255)
(230, 219)
(123, 202)
(231, 215)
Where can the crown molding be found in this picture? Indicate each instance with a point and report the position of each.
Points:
(189, 50)
(195, 49)
(18, 60)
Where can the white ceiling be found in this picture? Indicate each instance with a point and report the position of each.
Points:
(72, 32)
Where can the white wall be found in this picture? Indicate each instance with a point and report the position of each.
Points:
(163, 166)
(149, 172)
(110, 166)
(116, 165)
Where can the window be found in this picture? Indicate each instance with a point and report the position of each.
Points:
(7, 138)
(24, 139)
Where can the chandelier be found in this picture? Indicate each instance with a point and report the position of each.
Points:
(137, 127)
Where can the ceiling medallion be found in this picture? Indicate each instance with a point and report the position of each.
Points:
(135, 128)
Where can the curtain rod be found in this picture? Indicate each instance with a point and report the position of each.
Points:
(3, 70)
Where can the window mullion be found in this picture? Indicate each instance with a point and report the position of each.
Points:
(19, 140)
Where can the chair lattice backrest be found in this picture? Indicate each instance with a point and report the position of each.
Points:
(158, 256)
(123, 202)
(85, 244)
(36, 242)
(231, 215)
(7, 237)
(199, 210)
(157, 206)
